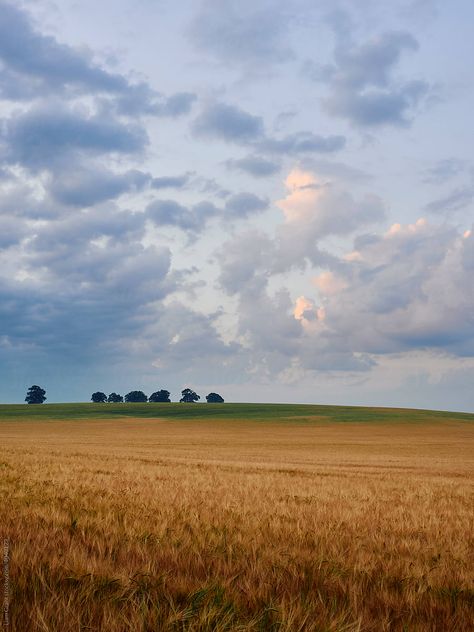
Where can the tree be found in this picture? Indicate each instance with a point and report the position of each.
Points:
(214, 398)
(189, 396)
(98, 397)
(136, 396)
(160, 396)
(115, 398)
(35, 395)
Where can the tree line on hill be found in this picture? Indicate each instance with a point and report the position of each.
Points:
(37, 395)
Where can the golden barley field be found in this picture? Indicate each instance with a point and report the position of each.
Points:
(210, 524)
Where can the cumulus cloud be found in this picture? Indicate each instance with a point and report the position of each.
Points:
(171, 182)
(171, 213)
(402, 291)
(313, 210)
(318, 208)
(407, 289)
(362, 88)
(43, 62)
(37, 65)
(176, 104)
(193, 219)
(84, 186)
(239, 271)
(48, 133)
(244, 204)
(255, 166)
(229, 123)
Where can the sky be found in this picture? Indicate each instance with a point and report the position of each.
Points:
(269, 199)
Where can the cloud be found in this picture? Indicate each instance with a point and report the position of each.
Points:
(303, 143)
(42, 60)
(171, 182)
(12, 231)
(444, 170)
(176, 104)
(407, 289)
(376, 107)
(228, 123)
(47, 133)
(245, 204)
(69, 294)
(361, 84)
(238, 270)
(232, 124)
(244, 33)
(193, 219)
(38, 66)
(171, 213)
(255, 166)
(315, 209)
(82, 186)
(191, 336)
(140, 99)
(457, 200)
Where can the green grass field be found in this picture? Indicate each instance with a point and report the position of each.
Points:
(258, 412)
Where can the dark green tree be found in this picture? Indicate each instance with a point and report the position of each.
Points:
(136, 396)
(98, 397)
(115, 398)
(189, 396)
(35, 395)
(214, 398)
(160, 396)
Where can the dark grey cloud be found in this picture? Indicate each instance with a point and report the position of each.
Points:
(458, 200)
(245, 204)
(13, 230)
(171, 213)
(377, 107)
(75, 232)
(37, 65)
(193, 219)
(362, 88)
(176, 104)
(229, 123)
(91, 298)
(80, 299)
(45, 62)
(138, 99)
(45, 134)
(171, 182)
(255, 166)
(243, 33)
(371, 63)
(82, 186)
(210, 186)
